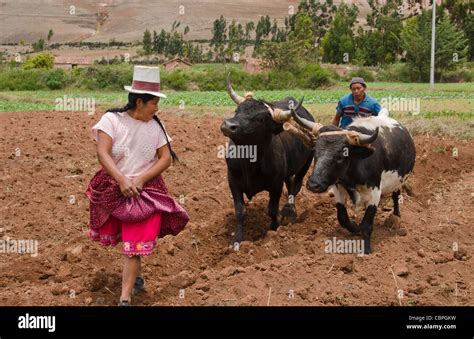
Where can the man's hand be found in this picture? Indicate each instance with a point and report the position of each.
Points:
(336, 119)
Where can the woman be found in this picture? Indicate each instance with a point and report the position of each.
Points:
(129, 201)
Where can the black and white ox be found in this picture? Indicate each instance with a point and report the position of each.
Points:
(371, 159)
(280, 156)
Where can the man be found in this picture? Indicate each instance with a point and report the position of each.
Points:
(356, 104)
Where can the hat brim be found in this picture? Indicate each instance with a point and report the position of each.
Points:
(156, 94)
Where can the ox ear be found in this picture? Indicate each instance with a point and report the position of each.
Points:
(275, 127)
(360, 152)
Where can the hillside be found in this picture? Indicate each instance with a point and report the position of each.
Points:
(126, 20)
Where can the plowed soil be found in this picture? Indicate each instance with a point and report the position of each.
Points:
(47, 159)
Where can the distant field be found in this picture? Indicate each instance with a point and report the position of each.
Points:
(127, 20)
(446, 110)
(461, 97)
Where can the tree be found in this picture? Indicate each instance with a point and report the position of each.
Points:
(321, 14)
(39, 45)
(303, 35)
(209, 56)
(159, 45)
(175, 45)
(451, 45)
(379, 43)
(155, 42)
(249, 27)
(279, 55)
(274, 29)
(219, 32)
(415, 39)
(193, 53)
(147, 43)
(262, 30)
(461, 14)
(50, 35)
(338, 43)
(281, 35)
(175, 25)
(236, 39)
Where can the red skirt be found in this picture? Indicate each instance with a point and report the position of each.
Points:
(114, 217)
(138, 238)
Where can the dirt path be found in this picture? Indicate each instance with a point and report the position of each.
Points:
(42, 198)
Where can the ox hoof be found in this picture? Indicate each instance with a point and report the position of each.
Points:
(274, 226)
(352, 227)
(236, 246)
(288, 215)
(367, 249)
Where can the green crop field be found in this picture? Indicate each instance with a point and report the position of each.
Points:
(448, 109)
(45, 100)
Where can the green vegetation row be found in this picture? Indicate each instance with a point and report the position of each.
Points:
(205, 77)
(46, 99)
(113, 77)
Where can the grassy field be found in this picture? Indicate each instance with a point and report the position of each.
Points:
(451, 104)
(460, 96)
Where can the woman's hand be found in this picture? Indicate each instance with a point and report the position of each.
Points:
(127, 187)
(139, 182)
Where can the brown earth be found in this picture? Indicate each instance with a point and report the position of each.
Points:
(56, 160)
(127, 20)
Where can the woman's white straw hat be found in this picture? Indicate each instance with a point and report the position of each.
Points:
(146, 80)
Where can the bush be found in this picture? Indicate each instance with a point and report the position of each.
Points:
(282, 80)
(56, 79)
(461, 75)
(203, 78)
(363, 73)
(214, 80)
(176, 80)
(22, 80)
(41, 60)
(315, 76)
(105, 77)
(39, 45)
(300, 76)
(395, 73)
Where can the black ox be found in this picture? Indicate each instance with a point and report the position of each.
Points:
(280, 156)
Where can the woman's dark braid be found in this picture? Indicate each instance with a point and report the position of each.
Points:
(173, 154)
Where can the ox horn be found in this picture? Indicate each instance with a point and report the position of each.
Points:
(312, 126)
(280, 115)
(365, 139)
(234, 96)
